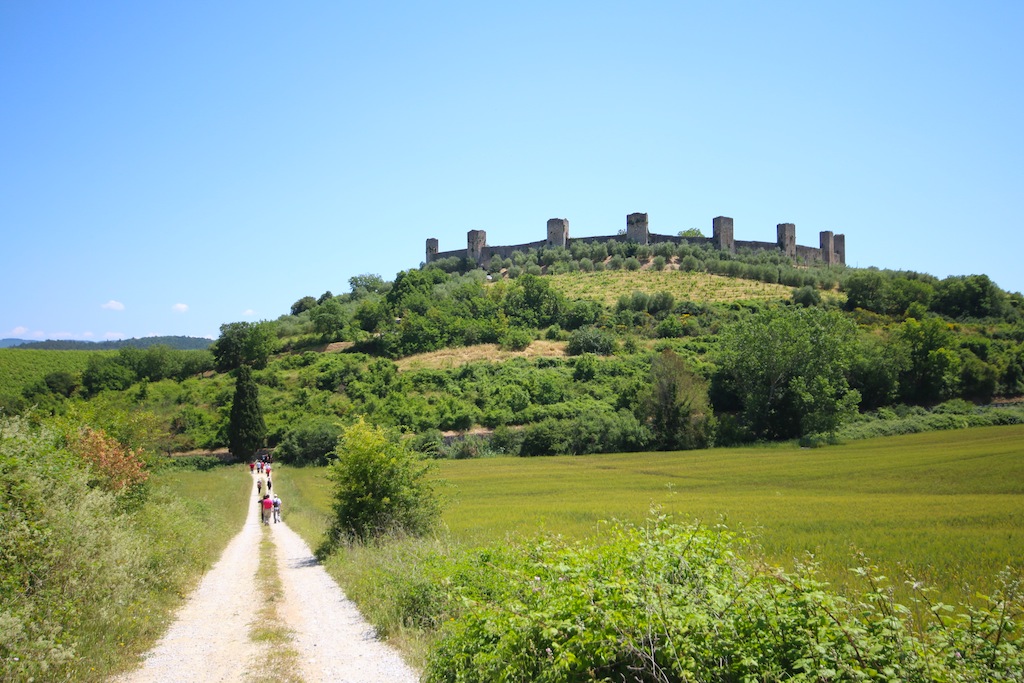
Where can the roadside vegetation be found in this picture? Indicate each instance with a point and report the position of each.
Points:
(98, 546)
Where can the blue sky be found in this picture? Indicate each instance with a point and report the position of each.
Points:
(169, 167)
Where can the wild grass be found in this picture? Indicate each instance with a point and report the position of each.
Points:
(949, 505)
(457, 357)
(608, 285)
(946, 506)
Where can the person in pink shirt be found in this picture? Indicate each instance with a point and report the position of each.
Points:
(267, 506)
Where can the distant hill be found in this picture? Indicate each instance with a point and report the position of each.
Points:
(180, 343)
(7, 343)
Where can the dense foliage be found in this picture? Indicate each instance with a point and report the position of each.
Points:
(665, 602)
(90, 550)
(380, 487)
(247, 431)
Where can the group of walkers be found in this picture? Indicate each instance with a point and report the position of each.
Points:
(270, 506)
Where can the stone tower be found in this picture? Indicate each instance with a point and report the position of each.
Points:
(431, 248)
(476, 241)
(558, 232)
(828, 253)
(722, 235)
(636, 228)
(787, 238)
(839, 245)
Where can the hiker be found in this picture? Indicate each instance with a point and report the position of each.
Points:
(270, 484)
(252, 466)
(259, 486)
(266, 468)
(267, 505)
(277, 509)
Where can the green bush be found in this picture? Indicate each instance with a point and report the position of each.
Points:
(590, 340)
(516, 339)
(665, 602)
(380, 487)
(310, 443)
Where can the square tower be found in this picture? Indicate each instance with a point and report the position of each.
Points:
(431, 248)
(722, 235)
(558, 232)
(476, 242)
(636, 228)
(828, 253)
(839, 245)
(787, 238)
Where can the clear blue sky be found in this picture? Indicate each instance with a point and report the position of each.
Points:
(166, 167)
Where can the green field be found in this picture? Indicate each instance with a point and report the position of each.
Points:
(21, 367)
(947, 505)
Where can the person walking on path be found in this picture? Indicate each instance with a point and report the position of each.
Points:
(259, 486)
(277, 508)
(270, 484)
(252, 467)
(266, 505)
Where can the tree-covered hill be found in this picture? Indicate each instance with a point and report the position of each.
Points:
(171, 342)
(654, 348)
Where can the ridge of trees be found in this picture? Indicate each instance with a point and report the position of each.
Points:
(179, 343)
(650, 371)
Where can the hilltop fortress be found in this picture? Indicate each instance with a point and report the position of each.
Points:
(831, 249)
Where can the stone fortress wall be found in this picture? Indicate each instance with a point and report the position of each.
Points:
(831, 249)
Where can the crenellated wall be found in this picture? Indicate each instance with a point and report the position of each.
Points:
(831, 249)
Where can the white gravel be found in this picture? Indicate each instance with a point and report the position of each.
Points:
(209, 640)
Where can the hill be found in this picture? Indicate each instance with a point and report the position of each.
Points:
(174, 342)
(7, 343)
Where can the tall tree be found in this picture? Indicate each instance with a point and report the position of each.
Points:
(676, 405)
(244, 344)
(789, 367)
(246, 429)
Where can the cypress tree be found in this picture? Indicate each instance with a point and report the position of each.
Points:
(246, 429)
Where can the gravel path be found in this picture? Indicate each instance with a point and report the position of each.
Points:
(209, 640)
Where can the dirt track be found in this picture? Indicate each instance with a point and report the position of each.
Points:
(209, 640)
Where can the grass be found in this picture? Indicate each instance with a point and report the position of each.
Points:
(947, 506)
(608, 285)
(457, 357)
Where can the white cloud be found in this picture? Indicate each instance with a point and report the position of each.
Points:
(19, 330)
(87, 335)
(180, 308)
(248, 313)
(113, 305)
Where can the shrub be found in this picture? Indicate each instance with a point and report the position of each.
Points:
(310, 443)
(380, 487)
(666, 602)
(590, 340)
(516, 339)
